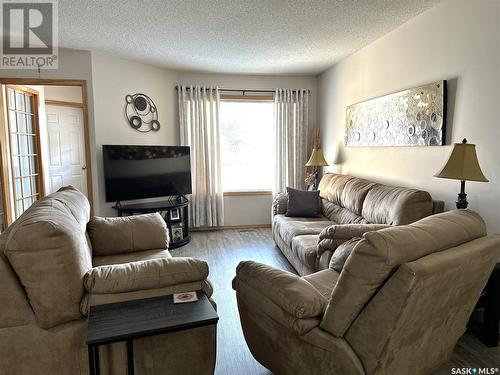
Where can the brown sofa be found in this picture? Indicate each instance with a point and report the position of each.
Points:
(350, 206)
(398, 305)
(55, 264)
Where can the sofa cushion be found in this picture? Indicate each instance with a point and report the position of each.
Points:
(104, 260)
(48, 250)
(288, 227)
(305, 247)
(340, 215)
(342, 197)
(396, 205)
(352, 200)
(115, 235)
(381, 252)
(145, 274)
(303, 203)
(354, 193)
(332, 186)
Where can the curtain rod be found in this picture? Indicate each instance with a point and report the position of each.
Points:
(243, 90)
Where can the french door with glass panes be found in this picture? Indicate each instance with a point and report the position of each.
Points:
(24, 144)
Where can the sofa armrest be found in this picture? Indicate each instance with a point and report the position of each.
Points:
(115, 235)
(348, 231)
(280, 204)
(253, 302)
(288, 291)
(89, 300)
(335, 235)
(144, 275)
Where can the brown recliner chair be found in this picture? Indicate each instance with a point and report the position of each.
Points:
(398, 305)
(55, 263)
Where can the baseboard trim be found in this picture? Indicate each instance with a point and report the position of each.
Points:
(222, 227)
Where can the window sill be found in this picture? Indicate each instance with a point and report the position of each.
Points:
(247, 193)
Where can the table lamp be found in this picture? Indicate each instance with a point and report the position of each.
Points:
(463, 165)
(316, 160)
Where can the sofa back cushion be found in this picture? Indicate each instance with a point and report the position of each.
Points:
(332, 186)
(117, 235)
(354, 194)
(48, 250)
(396, 205)
(340, 215)
(342, 198)
(351, 200)
(381, 252)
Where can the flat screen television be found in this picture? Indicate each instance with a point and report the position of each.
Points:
(136, 172)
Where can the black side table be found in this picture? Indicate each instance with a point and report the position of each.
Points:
(489, 302)
(129, 320)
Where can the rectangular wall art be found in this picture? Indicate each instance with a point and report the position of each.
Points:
(414, 117)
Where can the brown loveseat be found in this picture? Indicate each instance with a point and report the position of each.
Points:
(55, 264)
(350, 206)
(398, 305)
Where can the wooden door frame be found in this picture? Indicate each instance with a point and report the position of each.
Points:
(36, 126)
(3, 126)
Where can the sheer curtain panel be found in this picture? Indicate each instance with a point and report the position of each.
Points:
(199, 129)
(291, 110)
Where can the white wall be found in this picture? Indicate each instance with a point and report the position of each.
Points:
(113, 78)
(64, 93)
(458, 40)
(73, 64)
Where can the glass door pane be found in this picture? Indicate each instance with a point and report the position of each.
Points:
(23, 147)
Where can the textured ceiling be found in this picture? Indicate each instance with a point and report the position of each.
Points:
(253, 36)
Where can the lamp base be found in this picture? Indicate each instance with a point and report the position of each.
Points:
(462, 201)
(315, 186)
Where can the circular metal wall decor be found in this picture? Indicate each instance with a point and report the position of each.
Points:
(141, 113)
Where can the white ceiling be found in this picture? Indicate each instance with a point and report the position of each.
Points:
(251, 37)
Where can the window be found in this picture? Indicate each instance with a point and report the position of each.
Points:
(247, 156)
(24, 155)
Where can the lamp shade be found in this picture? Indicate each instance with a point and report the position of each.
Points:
(463, 164)
(317, 159)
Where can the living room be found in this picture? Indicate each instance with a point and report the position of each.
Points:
(380, 259)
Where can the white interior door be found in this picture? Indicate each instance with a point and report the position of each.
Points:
(66, 161)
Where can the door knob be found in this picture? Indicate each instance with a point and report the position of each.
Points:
(84, 167)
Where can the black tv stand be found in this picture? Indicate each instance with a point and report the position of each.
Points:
(175, 212)
(181, 198)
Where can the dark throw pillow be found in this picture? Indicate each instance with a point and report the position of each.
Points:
(303, 203)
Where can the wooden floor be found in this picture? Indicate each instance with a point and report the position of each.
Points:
(224, 249)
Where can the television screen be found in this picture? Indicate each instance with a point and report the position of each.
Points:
(135, 172)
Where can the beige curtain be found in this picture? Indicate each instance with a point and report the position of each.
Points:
(199, 129)
(291, 110)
